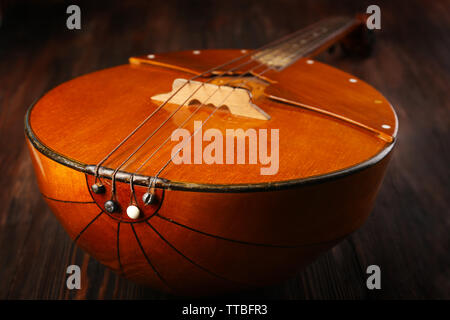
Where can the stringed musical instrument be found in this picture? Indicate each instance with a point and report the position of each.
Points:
(137, 163)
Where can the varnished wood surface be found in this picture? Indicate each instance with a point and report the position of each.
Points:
(203, 243)
(98, 110)
(407, 233)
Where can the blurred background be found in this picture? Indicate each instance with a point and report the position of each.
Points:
(407, 234)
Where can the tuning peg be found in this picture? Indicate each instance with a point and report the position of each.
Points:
(98, 188)
(149, 198)
(111, 206)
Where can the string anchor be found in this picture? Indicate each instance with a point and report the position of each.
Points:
(98, 188)
(149, 198)
(111, 206)
(133, 212)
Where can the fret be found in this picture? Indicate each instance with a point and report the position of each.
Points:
(303, 42)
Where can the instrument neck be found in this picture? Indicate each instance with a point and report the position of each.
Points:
(307, 42)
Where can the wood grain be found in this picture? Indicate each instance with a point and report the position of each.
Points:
(407, 234)
(121, 95)
(204, 243)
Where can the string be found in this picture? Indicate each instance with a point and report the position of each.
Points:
(160, 126)
(271, 44)
(315, 43)
(153, 113)
(293, 43)
(198, 108)
(185, 121)
(153, 180)
(190, 116)
(201, 105)
(165, 121)
(195, 132)
(292, 36)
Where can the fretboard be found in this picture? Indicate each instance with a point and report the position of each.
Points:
(306, 42)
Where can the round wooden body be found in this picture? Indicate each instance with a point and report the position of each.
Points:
(214, 227)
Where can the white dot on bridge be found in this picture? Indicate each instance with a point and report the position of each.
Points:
(386, 126)
(309, 61)
(352, 80)
(196, 52)
(151, 56)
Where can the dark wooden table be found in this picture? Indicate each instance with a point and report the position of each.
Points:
(408, 233)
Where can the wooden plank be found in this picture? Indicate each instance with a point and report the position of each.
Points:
(407, 234)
